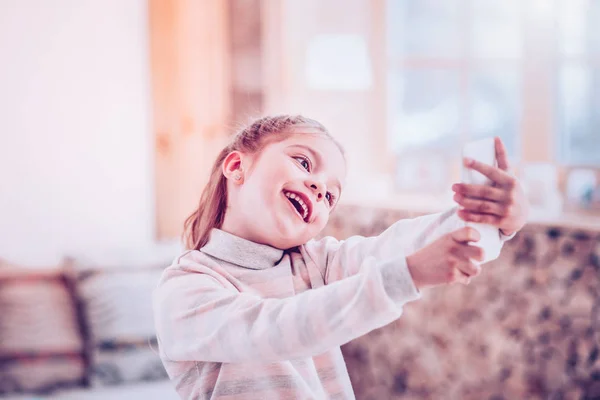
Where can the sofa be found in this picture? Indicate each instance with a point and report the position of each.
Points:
(80, 330)
(528, 327)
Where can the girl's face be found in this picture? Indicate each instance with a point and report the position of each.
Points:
(287, 191)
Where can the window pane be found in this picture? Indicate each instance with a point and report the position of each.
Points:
(579, 115)
(497, 28)
(579, 26)
(424, 109)
(494, 106)
(426, 28)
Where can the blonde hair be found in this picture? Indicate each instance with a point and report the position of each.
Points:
(250, 140)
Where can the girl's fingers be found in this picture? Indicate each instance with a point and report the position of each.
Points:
(466, 234)
(481, 192)
(464, 268)
(468, 269)
(500, 177)
(470, 216)
(467, 252)
(464, 279)
(481, 206)
(501, 155)
(457, 276)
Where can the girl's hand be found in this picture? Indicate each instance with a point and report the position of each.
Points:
(446, 260)
(503, 205)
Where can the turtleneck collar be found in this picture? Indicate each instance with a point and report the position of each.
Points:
(239, 251)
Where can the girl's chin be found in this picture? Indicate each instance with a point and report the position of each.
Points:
(292, 233)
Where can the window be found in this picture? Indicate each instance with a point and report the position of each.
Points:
(578, 88)
(458, 70)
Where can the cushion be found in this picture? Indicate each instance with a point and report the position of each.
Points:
(41, 346)
(121, 339)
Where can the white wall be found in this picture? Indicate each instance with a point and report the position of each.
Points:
(75, 130)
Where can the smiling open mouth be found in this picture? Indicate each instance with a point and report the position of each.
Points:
(299, 204)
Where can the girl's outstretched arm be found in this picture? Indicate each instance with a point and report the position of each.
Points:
(199, 317)
(340, 259)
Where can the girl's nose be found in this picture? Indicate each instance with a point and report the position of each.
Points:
(318, 189)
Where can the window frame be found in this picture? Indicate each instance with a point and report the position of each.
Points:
(540, 66)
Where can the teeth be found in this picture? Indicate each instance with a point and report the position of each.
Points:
(299, 200)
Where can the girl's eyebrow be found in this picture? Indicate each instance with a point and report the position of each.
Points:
(319, 159)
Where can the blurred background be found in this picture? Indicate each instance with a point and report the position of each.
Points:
(112, 112)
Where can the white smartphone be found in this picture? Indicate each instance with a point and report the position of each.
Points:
(483, 150)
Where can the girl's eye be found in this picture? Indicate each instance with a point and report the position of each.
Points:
(304, 162)
(330, 198)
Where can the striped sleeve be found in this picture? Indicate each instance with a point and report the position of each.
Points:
(198, 319)
(340, 259)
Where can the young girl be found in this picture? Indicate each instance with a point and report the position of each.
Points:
(258, 309)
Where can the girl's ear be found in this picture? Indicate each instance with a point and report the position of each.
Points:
(232, 167)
